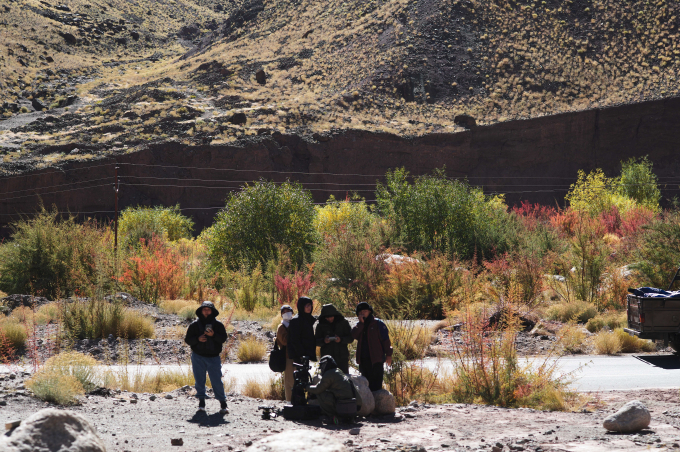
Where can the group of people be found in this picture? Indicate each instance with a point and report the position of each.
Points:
(333, 335)
(296, 333)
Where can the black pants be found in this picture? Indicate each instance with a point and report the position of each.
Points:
(374, 375)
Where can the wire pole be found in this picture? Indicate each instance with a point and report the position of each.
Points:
(115, 221)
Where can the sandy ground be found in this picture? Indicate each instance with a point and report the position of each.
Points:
(149, 425)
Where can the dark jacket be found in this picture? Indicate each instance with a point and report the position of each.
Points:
(213, 346)
(301, 334)
(340, 327)
(378, 337)
(339, 384)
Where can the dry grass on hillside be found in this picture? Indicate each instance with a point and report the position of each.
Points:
(398, 66)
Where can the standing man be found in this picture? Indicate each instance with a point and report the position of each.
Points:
(301, 332)
(333, 334)
(374, 347)
(206, 335)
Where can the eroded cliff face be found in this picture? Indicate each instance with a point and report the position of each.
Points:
(533, 160)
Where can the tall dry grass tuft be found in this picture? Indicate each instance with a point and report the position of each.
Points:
(251, 350)
(64, 377)
(409, 339)
(271, 389)
(98, 318)
(607, 343)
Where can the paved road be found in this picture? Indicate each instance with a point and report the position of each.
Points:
(589, 373)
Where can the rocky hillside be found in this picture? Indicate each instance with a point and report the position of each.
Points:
(113, 76)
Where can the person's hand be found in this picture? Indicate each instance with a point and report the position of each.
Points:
(389, 360)
(361, 318)
(202, 338)
(326, 340)
(209, 333)
(337, 339)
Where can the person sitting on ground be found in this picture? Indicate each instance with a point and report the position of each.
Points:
(301, 332)
(374, 347)
(333, 334)
(282, 340)
(206, 335)
(334, 386)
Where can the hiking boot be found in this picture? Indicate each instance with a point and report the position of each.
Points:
(223, 407)
(201, 404)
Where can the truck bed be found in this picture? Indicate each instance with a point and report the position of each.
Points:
(653, 318)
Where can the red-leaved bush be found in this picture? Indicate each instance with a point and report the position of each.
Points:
(290, 288)
(154, 273)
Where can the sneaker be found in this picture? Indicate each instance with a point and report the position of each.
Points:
(223, 407)
(201, 404)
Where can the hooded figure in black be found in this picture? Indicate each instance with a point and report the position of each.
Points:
(333, 334)
(301, 332)
(206, 335)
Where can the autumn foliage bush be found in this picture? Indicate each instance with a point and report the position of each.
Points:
(155, 272)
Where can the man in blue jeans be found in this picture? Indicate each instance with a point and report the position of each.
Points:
(206, 335)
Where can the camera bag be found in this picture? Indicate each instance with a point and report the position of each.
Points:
(277, 358)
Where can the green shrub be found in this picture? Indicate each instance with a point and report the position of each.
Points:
(435, 213)
(98, 318)
(607, 343)
(659, 250)
(257, 220)
(55, 257)
(338, 217)
(78, 365)
(579, 311)
(639, 183)
(55, 387)
(611, 320)
(12, 334)
(633, 344)
(137, 223)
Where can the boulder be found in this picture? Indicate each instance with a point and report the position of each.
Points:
(465, 121)
(367, 400)
(632, 417)
(238, 118)
(14, 301)
(54, 430)
(384, 402)
(68, 37)
(38, 104)
(298, 440)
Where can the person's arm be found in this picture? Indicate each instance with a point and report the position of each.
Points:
(191, 337)
(282, 335)
(357, 330)
(386, 343)
(220, 336)
(346, 333)
(320, 336)
(323, 385)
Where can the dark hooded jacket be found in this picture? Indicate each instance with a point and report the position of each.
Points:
(374, 333)
(213, 346)
(301, 334)
(340, 327)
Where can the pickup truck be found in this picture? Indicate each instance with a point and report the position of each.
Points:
(655, 318)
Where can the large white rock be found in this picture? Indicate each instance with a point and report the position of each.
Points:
(367, 400)
(297, 441)
(633, 416)
(384, 402)
(52, 430)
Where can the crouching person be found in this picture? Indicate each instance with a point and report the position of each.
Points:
(335, 391)
(206, 335)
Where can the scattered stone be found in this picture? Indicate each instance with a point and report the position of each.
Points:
(632, 417)
(68, 37)
(297, 440)
(51, 429)
(384, 402)
(168, 396)
(354, 431)
(176, 442)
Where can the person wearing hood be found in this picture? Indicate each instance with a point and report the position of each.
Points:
(282, 340)
(333, 334)
(206, 335)
(374, 347)
(334, 386)
(301, 332)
